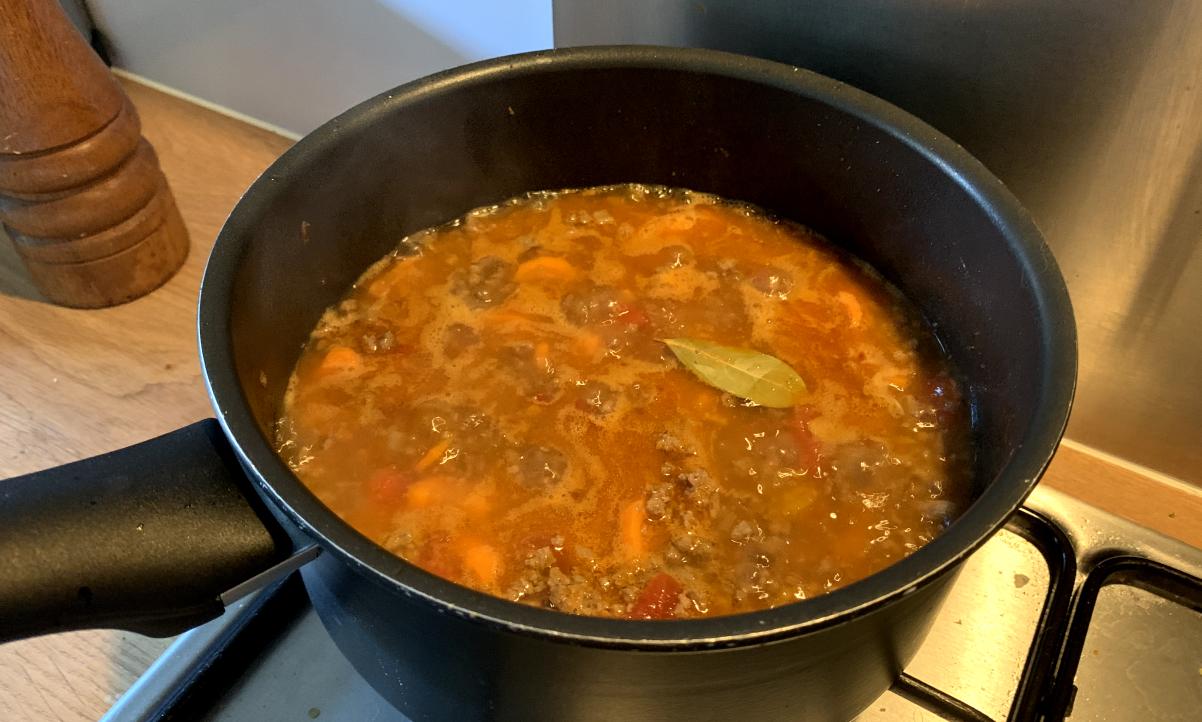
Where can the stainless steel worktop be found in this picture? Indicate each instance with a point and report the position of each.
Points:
(1090, 111)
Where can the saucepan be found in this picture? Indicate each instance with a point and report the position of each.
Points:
(158, 537)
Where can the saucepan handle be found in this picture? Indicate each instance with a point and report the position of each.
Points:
(145, 539)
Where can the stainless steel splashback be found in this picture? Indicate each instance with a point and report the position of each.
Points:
(1091, 112)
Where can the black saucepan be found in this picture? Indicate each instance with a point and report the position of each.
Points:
(153, 537)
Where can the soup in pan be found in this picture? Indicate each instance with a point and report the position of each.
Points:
(630, 401)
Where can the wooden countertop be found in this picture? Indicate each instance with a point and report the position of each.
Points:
(78, 383)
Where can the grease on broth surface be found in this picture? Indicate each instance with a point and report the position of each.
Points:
(493, 402)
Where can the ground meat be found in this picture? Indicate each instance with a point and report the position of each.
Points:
(536, 467)
(595, 397)
(669, 442)
(658, 499)
(766, 456)
(629, 584)
(772, 546)
(528, 584)
(751, 582)
(856, 463)
(728, 270)
(541, 559)
(573, 594)
(591, 307)
(697, 483)
(400, 542)
(533, 381)
(487, 281)
(530, 253)
(459, 337)
(743, 532)
(533, 580)
(771, 282)
(691, 545)
(433, 420)
(700, 491)
(464, 427)
(692, 600)
(379, 342)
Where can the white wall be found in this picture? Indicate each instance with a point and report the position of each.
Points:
(297, 63)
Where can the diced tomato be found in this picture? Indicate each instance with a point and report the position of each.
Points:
(630, 314)
(658, 599)
(387, 486)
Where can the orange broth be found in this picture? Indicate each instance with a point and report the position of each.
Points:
(494, 403)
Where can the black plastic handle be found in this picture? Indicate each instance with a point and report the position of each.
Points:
(144, 539)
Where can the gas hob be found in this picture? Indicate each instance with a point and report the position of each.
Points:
(1069, 612)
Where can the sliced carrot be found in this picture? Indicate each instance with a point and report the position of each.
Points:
(587, 345)
(507, 316)
(315, 415)
(483, 562)
(477, 505)
(682, 387)
(798, 497)
(433, 454)
(542, 351)
(340, 359)
(421, 494)
(546, 268)
(855, 314)
(526, 325)
(630, 529)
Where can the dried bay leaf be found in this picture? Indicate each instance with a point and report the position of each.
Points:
(757, 377)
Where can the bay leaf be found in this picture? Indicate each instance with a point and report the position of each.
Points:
(757, 377)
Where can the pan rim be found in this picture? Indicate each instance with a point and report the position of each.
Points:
(1002, 495)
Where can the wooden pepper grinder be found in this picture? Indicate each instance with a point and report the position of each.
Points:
(81, 192)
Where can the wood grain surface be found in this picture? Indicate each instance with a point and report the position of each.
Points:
(77, 383)
(81, 193)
